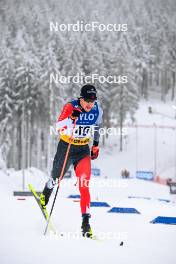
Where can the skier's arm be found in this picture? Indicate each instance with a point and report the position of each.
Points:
(95, 148)
(62, 121)
(67, 111)
(97, 128)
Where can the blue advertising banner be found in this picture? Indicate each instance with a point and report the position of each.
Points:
(145, 175)
(95, 172)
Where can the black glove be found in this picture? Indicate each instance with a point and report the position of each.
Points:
(94, 150)
(75, 113)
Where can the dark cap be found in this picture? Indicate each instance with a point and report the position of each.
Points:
(88, 92)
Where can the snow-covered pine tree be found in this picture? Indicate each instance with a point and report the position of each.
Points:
(6, 102)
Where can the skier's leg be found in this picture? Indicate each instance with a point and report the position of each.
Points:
(83, 172)
(56, 171)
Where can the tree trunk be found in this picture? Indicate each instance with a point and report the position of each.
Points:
(19, 144)
(163, 85)
(38, 147)
(29, 140)
(173, 86)
(121, 119)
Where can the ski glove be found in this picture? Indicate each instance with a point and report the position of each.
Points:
(94, 152)
(75, 113)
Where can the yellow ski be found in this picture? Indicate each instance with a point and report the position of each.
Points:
(43, 210)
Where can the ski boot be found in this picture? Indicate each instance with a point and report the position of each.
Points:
(42, 201)
(85, 227)
(45, 195)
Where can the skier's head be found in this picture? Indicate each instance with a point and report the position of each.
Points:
(88, 96)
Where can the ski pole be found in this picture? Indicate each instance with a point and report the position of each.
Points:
(61, 177)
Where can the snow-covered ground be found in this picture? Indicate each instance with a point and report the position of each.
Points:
(22, 224)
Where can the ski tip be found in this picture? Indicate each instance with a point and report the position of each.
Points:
(29, 186)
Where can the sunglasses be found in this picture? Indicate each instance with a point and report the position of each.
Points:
(89, 100)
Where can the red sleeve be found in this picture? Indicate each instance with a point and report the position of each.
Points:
(66, 111)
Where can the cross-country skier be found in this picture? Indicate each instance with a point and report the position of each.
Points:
(88, 115)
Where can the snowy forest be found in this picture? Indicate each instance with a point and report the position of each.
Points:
(30, 52)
